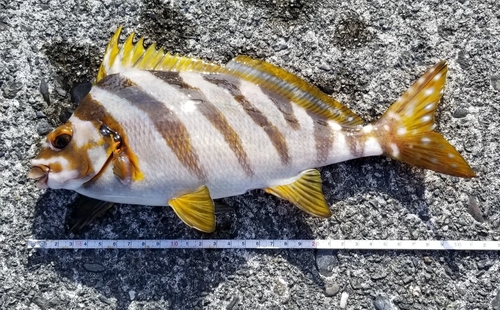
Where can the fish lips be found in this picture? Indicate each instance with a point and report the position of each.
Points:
(40, 174)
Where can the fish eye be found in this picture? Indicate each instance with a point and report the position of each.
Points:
(61, 141)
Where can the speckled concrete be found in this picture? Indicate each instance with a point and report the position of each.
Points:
(364, 53)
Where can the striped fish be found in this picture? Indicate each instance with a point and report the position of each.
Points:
(161, 129)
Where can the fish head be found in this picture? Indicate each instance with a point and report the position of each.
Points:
(73, 154)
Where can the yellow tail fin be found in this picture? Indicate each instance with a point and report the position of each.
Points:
(406, 128)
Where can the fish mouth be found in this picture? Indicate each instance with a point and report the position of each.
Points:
(40, 174)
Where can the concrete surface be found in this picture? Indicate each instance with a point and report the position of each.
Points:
(365, 53)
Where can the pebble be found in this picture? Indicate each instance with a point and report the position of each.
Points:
(94, 267)
(383, 303)
(484, 264)
(326, 261)
(474, 210)
(407, 279)
(43, 127)
(44, 90)
(131, 294)
(379, 275)
(460, 113)
(343, 300)
(11, 88)
(325, 67)
(331, 289)
(40, 114)
(427, 260)
(495, 82)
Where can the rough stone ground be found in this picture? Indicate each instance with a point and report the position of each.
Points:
(365, 53)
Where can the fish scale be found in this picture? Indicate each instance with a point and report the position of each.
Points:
(180, 132)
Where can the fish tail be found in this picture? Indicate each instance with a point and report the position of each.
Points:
(406, 129)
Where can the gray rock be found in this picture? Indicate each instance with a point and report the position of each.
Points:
(40, 114)
(326, 261)
(474, 210)
(460, 113)
(94, 267)
(44, 90)
(383, 303)
(485, 264)
(331, 289)
(495, 82)
(11, 88)
(43, 127)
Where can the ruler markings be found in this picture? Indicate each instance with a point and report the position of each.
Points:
(265, 244)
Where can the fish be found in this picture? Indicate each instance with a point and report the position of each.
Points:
(168, 130)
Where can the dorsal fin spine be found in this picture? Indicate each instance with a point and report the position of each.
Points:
(125, 52)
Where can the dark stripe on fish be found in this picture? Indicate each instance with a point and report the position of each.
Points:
(355, 141)
(212, 114)
(276, 137)
(166, 122)
(172, 78)
(323, 137)
(285, 107)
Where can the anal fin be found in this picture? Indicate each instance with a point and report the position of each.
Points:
(196, 209)
(305, 192)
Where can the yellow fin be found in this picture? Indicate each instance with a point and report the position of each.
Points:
(305, 192)
(293, 88)
(131, 55)
(406, 128)
(196, 209)
(112, 50)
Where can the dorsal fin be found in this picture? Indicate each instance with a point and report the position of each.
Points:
(264, 74)
(136, 56)
(293, 88)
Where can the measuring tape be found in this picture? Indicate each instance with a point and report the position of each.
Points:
(267, 244)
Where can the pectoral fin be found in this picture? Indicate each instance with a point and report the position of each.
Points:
(196, 209)
(306, 193)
